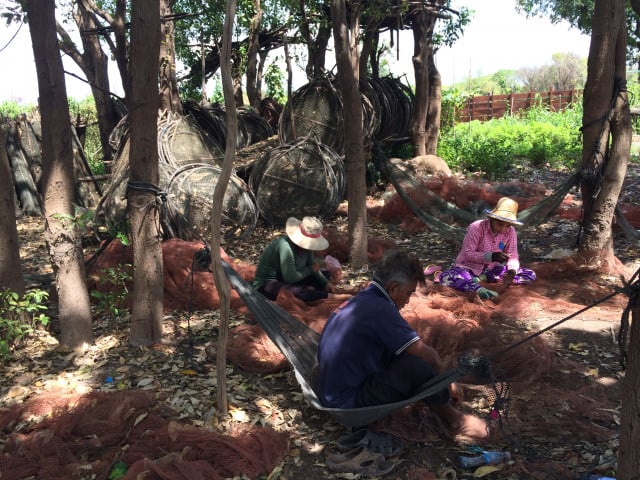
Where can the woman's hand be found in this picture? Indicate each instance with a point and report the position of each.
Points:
(456, 392)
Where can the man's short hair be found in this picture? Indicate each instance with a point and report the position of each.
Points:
(398, 266)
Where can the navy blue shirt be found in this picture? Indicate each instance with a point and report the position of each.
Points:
(361, 338)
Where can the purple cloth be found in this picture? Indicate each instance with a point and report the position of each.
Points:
(463, 279)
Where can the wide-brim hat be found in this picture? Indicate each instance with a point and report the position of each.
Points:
(506, 210)
(306, 233)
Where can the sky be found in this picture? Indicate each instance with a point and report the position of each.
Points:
(497, 38)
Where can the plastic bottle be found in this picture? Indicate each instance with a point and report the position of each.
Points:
(596, 477)
(487, 458)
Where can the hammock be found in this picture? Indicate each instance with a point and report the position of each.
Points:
(299, 344)
(532, 216)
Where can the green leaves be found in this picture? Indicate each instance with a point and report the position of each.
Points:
(19, 315)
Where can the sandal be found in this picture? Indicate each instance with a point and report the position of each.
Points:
(360, 460)
(432, 269)
(380, 442)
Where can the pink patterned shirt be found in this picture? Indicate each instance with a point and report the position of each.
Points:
(480, 242)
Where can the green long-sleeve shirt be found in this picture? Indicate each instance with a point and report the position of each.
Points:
(285, 262)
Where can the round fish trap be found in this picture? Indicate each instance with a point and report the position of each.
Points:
(396, 106)
(190, 207)
(293, 180)
(315, 109)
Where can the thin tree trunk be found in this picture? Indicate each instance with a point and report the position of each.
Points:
(63, 241)
(423, 25)
(435, 107)
(346, 44)
(629, 456)
(142, 203)
(253, 92)
(10, 265)
(169, 94)
(222, 284)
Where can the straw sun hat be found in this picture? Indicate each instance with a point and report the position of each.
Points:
(506, 210)
(307, 233)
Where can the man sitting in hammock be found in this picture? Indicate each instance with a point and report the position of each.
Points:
(369, 355)
(489, 253)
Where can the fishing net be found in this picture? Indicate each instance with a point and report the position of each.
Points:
(190, 160)
(189, 195)
(302, 178)
(252, 128)
(317, 109)
(314, 109)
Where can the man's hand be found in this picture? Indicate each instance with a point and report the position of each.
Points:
(499, 257)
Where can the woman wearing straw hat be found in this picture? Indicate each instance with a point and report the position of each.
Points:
(489, 253)
(289, 262)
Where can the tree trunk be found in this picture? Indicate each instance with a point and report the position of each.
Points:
(222, 285)
(346, 45)
(63, 241)
(422, 26)
(95, 65)
(253, 92)
(10, 265)
(629, 455)
(606, 133)
(169, 94)
(435, 107)
(317, 47)
(142, 202)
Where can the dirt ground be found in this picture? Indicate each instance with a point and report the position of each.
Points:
(563, 415)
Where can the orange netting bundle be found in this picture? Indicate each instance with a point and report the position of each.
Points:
(65, 436)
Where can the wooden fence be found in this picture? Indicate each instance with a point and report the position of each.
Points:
(487, 107)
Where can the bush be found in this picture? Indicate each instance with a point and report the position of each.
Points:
(493, 148)
(19, 316)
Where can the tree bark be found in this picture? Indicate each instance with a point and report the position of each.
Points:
(606, 132)
(169, 94)
(346, 45)
(63, 241)
(317, 47)
(253, 91)
(95, 65)
(435, 107)
(629, 456)
(10, 265)
(222, 284)
(142, 202)
(423, 25)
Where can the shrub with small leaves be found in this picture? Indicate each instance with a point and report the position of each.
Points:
(19, 316)
(112, 298)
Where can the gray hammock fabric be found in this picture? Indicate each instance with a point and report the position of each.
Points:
(532, 216)
(299, 344)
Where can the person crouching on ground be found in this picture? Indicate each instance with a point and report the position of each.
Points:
(489, 253)
(289, 262)
(369, 355)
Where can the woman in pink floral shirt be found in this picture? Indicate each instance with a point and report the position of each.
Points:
(489, 253)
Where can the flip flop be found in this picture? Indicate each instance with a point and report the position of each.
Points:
(360, 460)
(431, 269)
(380, 442)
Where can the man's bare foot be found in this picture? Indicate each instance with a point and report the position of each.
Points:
(460, 425)
(470, 426)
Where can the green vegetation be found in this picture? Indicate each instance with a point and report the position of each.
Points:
(112, 298)
(537, 136)
(19, 316)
